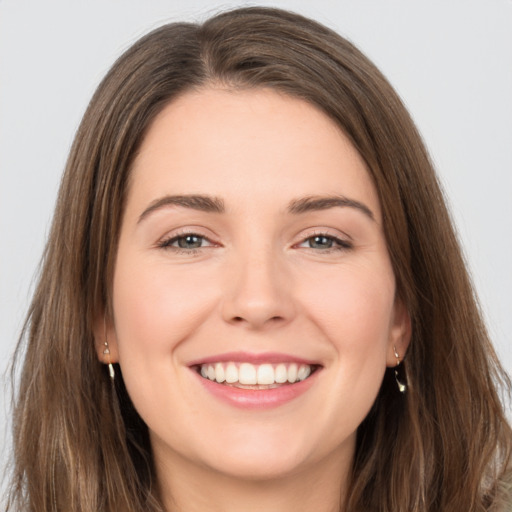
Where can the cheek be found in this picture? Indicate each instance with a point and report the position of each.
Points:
(156, 307)
(353, 306)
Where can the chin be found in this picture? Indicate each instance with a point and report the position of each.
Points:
(260, 468)
(261, 455)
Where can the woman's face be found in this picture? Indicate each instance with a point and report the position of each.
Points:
(254, 299)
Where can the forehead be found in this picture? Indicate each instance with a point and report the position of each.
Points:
(248, 144)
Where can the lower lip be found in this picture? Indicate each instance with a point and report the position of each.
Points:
(258, 398)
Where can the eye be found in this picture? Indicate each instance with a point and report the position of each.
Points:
(189, 241)
(324, 242)
(185, 242)
(320, 242)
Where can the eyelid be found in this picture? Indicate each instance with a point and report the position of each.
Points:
(165, 242)
(343, 241)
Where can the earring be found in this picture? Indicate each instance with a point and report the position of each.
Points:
(401, 386)
(106, 352)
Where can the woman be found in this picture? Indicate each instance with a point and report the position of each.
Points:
(249, 240)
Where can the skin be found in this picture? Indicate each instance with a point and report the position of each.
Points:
(258, 283)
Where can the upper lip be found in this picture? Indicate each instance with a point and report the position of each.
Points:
(248, 357)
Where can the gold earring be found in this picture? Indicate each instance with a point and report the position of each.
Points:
(401, 386)
(106, 352)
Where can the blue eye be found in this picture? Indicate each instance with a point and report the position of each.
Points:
(320, 242)
(325, 243)
(189, 242)
(185, 242)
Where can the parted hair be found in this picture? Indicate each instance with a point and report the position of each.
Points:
(79, 444)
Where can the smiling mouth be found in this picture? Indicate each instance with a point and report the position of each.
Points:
(252, 376)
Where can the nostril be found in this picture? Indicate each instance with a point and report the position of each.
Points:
(239, 319)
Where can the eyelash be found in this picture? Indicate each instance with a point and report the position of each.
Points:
(166, 243)
(338, 244)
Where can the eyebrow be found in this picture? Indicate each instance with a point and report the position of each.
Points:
(210, 204)
(316, 203)
(195, 202)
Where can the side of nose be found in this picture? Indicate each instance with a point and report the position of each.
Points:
(258, 292)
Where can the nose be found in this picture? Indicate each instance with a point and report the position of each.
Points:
(259, 292)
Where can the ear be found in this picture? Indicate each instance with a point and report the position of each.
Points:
(104, 331)
(399, 333)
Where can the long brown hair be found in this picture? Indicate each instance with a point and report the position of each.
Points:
(79, 445)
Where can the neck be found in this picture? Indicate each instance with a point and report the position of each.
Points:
(187, 487)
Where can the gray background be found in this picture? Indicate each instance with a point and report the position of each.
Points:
(451, 61)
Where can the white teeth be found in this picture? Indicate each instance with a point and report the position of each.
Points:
(292, 373)
(304, 372)
(231, 373)
(281, 374)
(249, 374)
(265, 374)
(219, 373)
